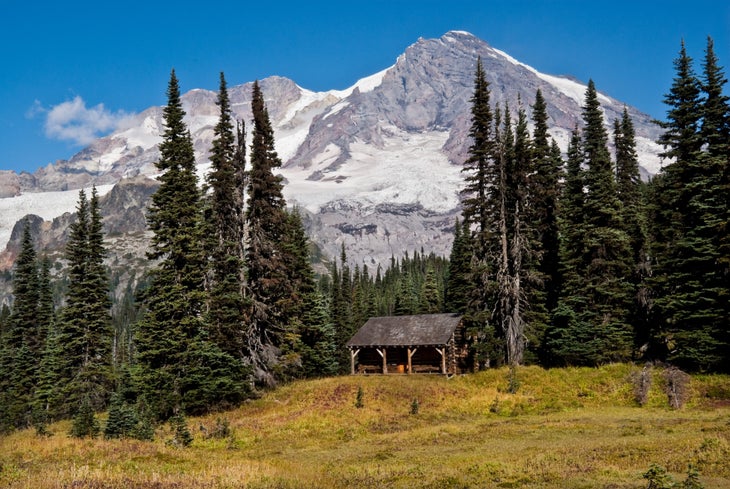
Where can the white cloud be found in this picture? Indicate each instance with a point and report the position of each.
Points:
(34, 110)
(73, 121)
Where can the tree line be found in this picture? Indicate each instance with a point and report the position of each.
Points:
(557, 261)
(576, 261)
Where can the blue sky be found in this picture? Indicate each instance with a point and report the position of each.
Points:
(72, 70)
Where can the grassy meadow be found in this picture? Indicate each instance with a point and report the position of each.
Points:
(563, 428)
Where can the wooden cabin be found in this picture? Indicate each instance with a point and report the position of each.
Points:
(426, 343)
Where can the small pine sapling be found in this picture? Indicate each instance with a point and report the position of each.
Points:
(414, 407)
(514, 383)
(693, 479)
(85, 422)
(658, 478)
(181, 436)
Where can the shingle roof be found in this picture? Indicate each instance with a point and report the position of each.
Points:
(424, 329)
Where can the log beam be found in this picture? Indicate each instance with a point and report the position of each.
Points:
(411, 352)
(353, 354)
(385, 359)
(442, 351)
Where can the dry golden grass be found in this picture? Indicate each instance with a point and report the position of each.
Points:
(564, 428)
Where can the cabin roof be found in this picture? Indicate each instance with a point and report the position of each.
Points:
(419, 330)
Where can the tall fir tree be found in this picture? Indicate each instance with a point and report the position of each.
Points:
(543, 193)
(689, 223)
(481, 176)
(46, 398)
(631, 193)
(85, 322)
(599, 297)
(294, 250)
(174, 300)
(317, 333)
(565, 335)
(266, 221)
(477, 171)
(510, 246)
(681, 137)
(22, 341)
(226, 298)
(341, 308)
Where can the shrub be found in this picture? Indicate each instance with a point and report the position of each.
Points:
(222, 429)
(641, 380)
(676, 387)
(494, 407)
(659, 479)
(359, 398)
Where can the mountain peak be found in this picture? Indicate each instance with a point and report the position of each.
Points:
(460, 34)
(377, 164)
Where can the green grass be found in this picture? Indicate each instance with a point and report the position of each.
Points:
(564, 428)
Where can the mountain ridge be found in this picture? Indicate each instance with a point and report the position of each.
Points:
(375, 166)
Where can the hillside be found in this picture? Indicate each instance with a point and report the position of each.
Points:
(567, 428)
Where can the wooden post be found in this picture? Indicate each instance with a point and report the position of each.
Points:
(410, 356)
(442, 351)
(385, 360)
(353, 354)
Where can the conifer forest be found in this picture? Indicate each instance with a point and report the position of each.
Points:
(557, 260)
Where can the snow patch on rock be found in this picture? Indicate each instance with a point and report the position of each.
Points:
(408, 169)
(47, 205)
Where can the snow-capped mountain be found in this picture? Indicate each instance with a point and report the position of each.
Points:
(376, 166)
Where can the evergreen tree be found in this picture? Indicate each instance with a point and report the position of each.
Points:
(598, 295)
(458, 286)
(478, 177)
(431, 301)
(266, 220)
(543, 191)
(715, 129)
(47, 394)
(561, 344)
(122, 419)
(341, 309)
(689, 224)
(181, 436)
(218, 358)
(510, 246)
(226, 302)
(482, 176)
(85, 323)
(317, 333)
(681, 138)
(629, 188)
(46, 304)
(84, 421)
(406, 300)
(295, 254)
(23, 340)
(175, 297)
